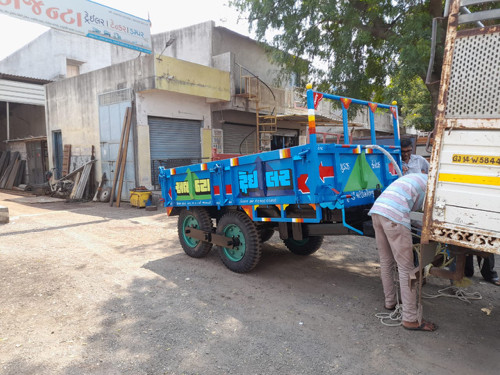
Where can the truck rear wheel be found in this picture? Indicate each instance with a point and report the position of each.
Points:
(306, 246)
(194, 218)
(245, 255)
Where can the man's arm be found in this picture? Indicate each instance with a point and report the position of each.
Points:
(424, 165)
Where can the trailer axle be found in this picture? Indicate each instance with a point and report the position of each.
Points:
(214, 238)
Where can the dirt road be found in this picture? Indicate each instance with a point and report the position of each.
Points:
(89, 289)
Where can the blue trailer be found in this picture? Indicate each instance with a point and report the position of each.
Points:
(303, 192)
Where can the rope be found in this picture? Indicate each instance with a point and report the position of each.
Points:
(393, 318)
(454, 292)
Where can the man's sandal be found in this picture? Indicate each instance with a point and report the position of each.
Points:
(495, 282)
(425, 326)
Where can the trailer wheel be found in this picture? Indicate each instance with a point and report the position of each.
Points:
(194, 218)
(246, 254)
(307, 246)
(266, 234)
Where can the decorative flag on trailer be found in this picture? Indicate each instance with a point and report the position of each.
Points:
(394, 112)
(317, 98)
(346, 102)
(373, 106)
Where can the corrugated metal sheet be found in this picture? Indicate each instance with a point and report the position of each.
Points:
(236, 135)
(12, 77)
(19, 92)
(174, 138)
(173, 143)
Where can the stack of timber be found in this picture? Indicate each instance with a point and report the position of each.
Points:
(122, 159)
(11, 169)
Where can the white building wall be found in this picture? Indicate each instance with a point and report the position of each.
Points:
(192, 43)
(73, 108)
(46, 56)
(246, 52)
(168, 105)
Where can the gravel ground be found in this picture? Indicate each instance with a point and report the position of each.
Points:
(90, 289)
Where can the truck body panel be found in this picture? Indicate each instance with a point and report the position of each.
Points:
(321, 176)
(346, 176)
(462, 205)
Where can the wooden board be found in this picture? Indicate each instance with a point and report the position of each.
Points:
(4, 162)
(66, 160)
(75, 186)
(124, 156)
(5, 177)
(119, 158)
(20, 174)
(13, 174)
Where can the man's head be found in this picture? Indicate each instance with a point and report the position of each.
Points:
(406, 149)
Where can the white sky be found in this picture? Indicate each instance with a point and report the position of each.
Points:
(164, 15)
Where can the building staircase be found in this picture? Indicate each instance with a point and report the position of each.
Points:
(265, 117)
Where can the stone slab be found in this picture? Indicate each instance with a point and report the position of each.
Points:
(4, 215)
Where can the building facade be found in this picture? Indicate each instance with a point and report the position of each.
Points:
(204, 88)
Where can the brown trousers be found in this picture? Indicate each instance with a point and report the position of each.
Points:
(394, 246)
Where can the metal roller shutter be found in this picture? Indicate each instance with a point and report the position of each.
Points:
(234, 135)
(173, 143)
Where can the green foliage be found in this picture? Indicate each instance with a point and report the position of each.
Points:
(355, 45)
(416, 102)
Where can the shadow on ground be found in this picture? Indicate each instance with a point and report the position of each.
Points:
(292, 315)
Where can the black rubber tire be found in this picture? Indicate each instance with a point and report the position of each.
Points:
(307, 246)
(247, 256)
(194, 248)
(266, 234)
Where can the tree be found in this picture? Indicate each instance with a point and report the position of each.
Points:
(356, 46)
(416, 100)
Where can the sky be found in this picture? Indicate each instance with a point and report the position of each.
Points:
(164, 15)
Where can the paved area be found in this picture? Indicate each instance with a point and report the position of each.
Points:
(90, 289)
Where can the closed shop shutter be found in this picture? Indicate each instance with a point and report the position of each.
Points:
(234, 135)
(173, 143)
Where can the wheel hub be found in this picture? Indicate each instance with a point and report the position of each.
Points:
(237, 252)
(190, 222)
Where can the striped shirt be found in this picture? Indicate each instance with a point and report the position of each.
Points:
(402, 196)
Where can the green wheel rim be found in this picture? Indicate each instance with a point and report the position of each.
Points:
(190, 222)
(237, 253)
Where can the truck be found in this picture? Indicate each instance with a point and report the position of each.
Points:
(304, 192)
(462, 205)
